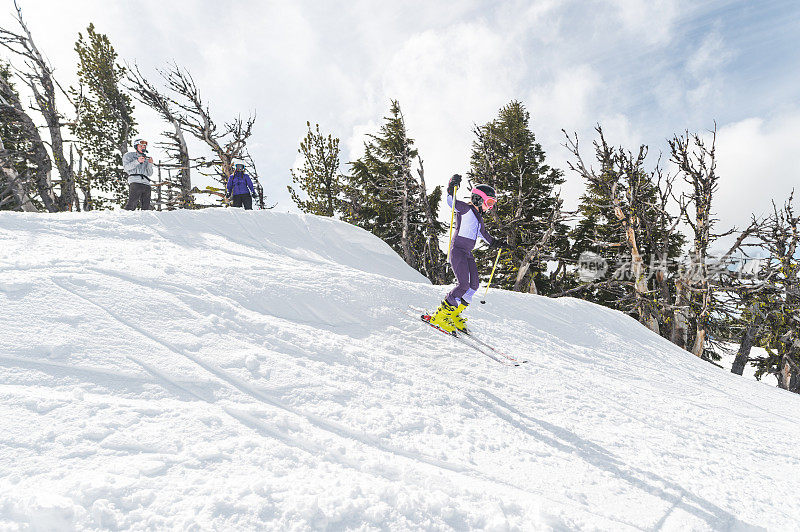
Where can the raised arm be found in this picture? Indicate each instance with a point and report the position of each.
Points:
(461, 207)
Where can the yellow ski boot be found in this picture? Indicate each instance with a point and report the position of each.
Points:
(441, 318)
(458, 322)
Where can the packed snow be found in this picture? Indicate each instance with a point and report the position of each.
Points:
(224, 369)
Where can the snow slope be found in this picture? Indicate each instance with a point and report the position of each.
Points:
(225, 369)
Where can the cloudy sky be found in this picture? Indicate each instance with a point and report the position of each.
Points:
(644, 69)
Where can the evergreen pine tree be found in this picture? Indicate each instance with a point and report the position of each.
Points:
(12, 141)
(599, 232)
(105, 122)
(384, 197)
(506, 156)
(319, 178)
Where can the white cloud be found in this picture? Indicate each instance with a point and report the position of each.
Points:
(705, 66)
(758, 161)
(355, 141)
(710, 55)
(445, 81)
(650, 20)
(567, 101)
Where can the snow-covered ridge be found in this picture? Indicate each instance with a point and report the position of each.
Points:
(225, 369)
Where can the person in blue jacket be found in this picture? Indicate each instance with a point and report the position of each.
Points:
(240, 187)
(469, 228)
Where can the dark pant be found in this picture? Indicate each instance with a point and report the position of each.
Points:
(466, 271)
(139, 192)
(243, 200)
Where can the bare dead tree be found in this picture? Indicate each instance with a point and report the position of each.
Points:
(12, 186)
(38, 76)
(659, 226)
(194, 115)
(696, 160)
(747, 293)
(176, 146)
(533, 254)
(779, 303)
(620, 180)
(35, 180)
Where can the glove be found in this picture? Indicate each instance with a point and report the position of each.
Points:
(499, 243)
(455, 181)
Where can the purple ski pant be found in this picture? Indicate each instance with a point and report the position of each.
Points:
(466, 271)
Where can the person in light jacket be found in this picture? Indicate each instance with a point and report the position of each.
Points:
(469, 228)
(240, 187)
(139, 168)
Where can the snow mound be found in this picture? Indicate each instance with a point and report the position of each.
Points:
(223, 369)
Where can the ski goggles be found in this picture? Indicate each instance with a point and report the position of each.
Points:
(488, 201)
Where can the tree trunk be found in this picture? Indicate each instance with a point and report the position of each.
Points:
(533, 253)
(437, 274)
(47, 106)
(789, 376)
(699, 342)
(746, 343)
(405, 235)
(743, 355)
(532, 289)
(680, 326)
(76, 201)
(646, 317)
(700, 336)
(329, 195)
(15, 184)
(184, 173)
(21, 198)
(85, 185)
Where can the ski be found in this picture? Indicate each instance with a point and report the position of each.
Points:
(466, 342)
(470, 334)
(494, 349)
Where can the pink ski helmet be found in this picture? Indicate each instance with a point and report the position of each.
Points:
(483, 195)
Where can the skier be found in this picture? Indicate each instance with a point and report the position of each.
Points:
(469, 228)
(240, 187)
(139, 168)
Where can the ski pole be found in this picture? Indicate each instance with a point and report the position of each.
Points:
(499, 251)
(452, 214)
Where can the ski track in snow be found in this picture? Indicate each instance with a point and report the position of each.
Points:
(225, 369)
